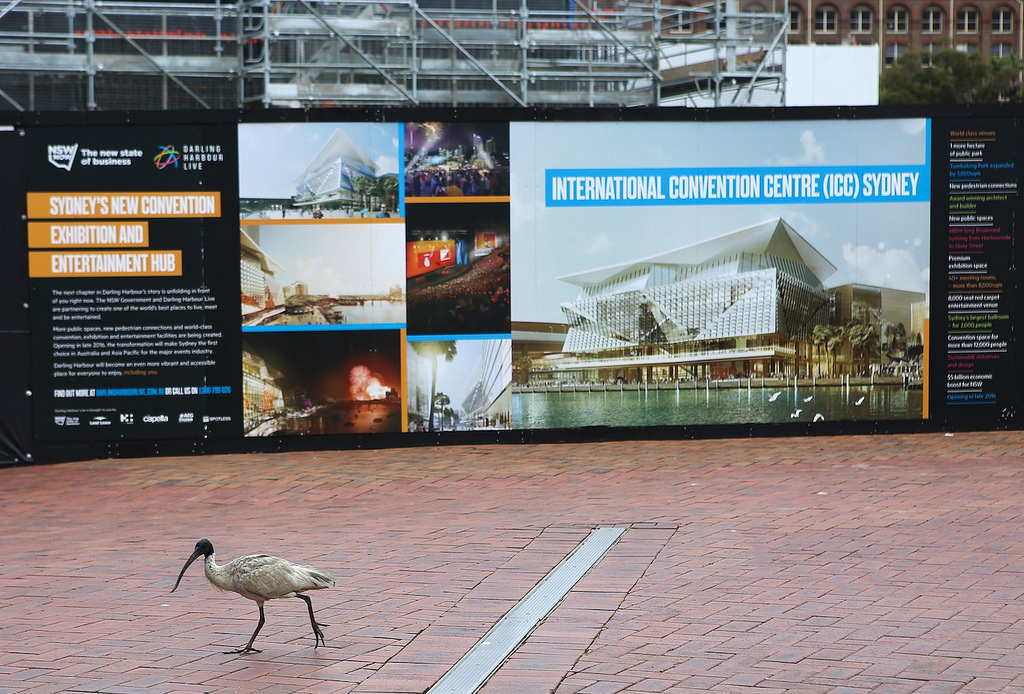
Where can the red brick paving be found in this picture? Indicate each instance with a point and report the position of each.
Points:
(841, 564)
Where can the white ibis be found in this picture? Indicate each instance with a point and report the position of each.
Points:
(261, 577)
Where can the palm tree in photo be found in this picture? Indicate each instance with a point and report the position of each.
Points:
(432, 350)
(836, 337)
(386, 190)
(521, 368)
(819, 337)
(864, 340)
(364, 185)
(441, 402)
(897, 340)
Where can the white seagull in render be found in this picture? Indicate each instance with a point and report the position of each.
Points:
(796, 414)
(818, 417)
(774, 396)
(809, 398)
(859, 400)
(261, 577)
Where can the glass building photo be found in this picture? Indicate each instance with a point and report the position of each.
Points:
(728, 307)
(735, 328)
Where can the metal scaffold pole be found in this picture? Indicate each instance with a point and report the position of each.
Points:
(166, 55)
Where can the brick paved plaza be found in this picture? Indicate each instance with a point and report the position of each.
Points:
(814, 564)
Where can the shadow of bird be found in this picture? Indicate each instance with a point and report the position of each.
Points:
(261, 577)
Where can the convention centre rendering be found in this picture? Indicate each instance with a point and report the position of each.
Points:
(750, 303)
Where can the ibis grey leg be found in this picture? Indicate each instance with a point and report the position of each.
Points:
(248, 647)
(318, 636)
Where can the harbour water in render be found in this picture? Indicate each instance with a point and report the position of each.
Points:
(649, 407)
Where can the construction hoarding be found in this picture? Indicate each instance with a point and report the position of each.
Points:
(512, 272)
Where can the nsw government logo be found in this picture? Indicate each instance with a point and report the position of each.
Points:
(62, 156)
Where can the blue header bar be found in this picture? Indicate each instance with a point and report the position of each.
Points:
(735, 186)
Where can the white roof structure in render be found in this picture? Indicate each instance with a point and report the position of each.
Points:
(340, 146)
(331, 176)
(763, 282)
(774, 237)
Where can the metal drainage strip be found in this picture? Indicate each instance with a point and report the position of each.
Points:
(487, 655)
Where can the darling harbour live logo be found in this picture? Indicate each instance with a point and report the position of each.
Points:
(190, 157)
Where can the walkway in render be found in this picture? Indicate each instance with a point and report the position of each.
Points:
(813, 564)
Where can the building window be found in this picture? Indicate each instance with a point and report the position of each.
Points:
(860, 19)
(1002, 50)
(893, 52)
(826, 20)
(897, 20)
(754, 25)
(681, 21)
(794, 20)
(930, 49)
(1002, 21)
(967, 21)
(968, 48)
(931, 21)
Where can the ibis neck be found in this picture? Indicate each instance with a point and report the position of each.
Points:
(213, 572)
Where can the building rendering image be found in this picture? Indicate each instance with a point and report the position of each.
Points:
(459, 384)
(260, 287)
(744, 304)
(261, 396)
(343, 177)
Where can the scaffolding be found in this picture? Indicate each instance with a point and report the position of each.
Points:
(89, 55)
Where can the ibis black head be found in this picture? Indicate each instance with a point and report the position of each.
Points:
(204, 548)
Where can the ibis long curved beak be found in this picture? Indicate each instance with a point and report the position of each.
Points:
(195, 555)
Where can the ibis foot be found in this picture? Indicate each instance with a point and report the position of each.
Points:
(243, 651)
(318, 636)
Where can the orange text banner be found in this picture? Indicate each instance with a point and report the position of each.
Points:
(87, 234)
(104, 264)
(121, 205)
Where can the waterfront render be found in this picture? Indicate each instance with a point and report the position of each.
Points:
(750, 304)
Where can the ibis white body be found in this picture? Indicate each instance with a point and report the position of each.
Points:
(261, 577)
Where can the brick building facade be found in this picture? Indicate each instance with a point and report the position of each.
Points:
(989, 27)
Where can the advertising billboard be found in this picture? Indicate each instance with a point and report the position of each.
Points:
(133, 271)
(518, 272)
(720, 273)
